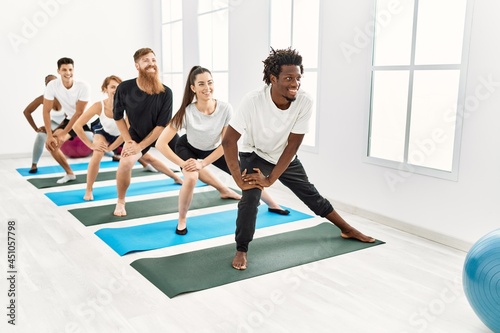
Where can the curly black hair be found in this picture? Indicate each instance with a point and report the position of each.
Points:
(278, 58)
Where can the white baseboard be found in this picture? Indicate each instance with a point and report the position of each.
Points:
(15, 156)
(404, 226)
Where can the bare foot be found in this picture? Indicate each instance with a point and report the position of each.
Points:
(355, 234)
(120, 209)
(240, 261)
(88, 196)
(178, 180)
(229, 194)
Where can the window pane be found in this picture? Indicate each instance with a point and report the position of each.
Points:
(305, 30)
(220, 40)
(388, 118)
(171, 10)
(172, 40)
(176, 83)
(309, 84)
(440, 31)
(432, 129)
(393, 32)
(205, 6)
(281, 23)
(205, 39)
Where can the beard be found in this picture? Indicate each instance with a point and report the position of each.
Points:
(150, 82)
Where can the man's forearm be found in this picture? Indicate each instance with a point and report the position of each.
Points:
(294, 142)
(123, 128)
(151, 137)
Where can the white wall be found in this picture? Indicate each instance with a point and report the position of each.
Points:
(100, 36)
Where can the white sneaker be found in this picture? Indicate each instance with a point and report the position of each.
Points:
(66, 179)
(150, 168)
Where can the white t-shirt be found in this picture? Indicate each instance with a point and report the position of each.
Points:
(265, 127)
(67, 97)
(57, 115)
(204, 131)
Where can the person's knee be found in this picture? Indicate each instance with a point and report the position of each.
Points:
(190, 178)
(126, 163)
(96, 154)
(251, 197)
(40, 136)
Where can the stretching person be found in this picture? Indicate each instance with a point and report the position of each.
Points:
(269, 153)
(73, 96)
(106, 134)
(148, 104)
(205, 121)
(56, 117)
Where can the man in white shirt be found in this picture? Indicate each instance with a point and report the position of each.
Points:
(274, 120)
(73, 96)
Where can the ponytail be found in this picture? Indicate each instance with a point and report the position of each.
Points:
(188, 96)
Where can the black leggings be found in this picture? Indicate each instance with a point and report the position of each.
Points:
(185, 151)
(294, 177)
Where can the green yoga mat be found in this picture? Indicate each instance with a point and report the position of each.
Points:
(136, 209)
(82, 179)
(211, 267)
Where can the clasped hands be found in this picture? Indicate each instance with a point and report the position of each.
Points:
(254, 180)
(130, 148)
(53, 141)
(192, 165)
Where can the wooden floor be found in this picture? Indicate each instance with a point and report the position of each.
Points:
(70, 281)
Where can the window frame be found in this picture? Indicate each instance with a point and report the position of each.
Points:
(404, 169)
(173, 74)
(217, 7)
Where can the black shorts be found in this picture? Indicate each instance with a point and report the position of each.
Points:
(71, 133)
(98, 129)
(185, 151)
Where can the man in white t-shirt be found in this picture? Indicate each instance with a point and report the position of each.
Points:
(274, 120)
(73, 96)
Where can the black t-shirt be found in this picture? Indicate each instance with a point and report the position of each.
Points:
(144, 112)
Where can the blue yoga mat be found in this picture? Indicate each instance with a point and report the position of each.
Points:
(109, 192)
(45, 170)
(162, 234)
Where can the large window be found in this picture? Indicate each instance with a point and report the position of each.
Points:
(295, 23)
(213, 36)
(418, 79)
(172, 63)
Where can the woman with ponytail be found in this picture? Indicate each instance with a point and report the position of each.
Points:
(205, 120)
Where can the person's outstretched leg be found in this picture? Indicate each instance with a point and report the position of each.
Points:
(161, 167)
(348, 231)
(225, 192)
(295, 178)
(272, 205)
(123, 176)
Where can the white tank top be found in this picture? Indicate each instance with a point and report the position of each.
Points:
(108, 124)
